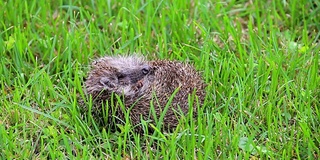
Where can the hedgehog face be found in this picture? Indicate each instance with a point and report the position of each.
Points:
(132, 81)
(133, 75)
(121, 75)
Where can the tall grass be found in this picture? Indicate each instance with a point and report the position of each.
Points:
(260, 60)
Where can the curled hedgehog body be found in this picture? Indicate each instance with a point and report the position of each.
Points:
(143, 86)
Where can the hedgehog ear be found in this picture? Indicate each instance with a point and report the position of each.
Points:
(106, 82)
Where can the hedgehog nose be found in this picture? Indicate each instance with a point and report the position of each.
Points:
(145, 69)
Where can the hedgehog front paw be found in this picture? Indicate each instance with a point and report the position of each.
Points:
(106, 82)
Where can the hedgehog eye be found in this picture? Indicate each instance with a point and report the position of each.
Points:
(145, 70)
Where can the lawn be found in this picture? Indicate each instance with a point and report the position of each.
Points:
(259, 59)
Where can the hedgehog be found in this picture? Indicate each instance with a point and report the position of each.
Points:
(147, 89)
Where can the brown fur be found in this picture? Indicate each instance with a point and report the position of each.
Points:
(142, 84)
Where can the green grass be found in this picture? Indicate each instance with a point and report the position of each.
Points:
(260, 60)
